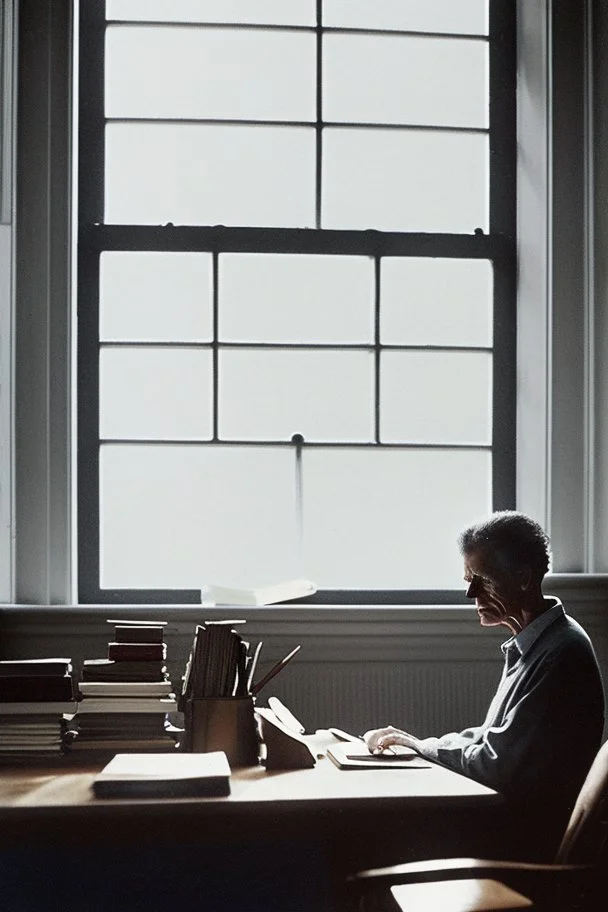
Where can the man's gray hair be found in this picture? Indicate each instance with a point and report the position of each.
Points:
(514, 538)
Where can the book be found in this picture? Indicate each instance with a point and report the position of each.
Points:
(46, 667)
(34, 750)
(138, 633)
(217, 663)
(42, 743)
(29, 738)
(263, 595)
(40, 707)
(125, 688)
(118, 745)
(22, 688)
(108, 670)
(19, 725)
(32, 737)
(121, 722)
(94, 736)
(349, 756)
(177, 775)
(137, 652)
(126, 705)
(135, 623)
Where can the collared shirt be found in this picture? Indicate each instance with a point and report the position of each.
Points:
(544, 724)
(523, 642)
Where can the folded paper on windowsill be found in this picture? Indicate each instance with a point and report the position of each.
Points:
(263, 595)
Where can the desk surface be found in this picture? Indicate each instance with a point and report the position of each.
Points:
(68, 786)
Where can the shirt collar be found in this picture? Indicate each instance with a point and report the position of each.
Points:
(529, 635)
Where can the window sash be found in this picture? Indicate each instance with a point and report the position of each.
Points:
(95, 237)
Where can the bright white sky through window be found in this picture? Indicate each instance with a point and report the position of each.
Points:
(210, 364)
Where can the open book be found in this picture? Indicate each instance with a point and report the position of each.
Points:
(164, 776)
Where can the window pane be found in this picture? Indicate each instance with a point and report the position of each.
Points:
(161, 509)
(273, 12)
(299, 298)
(435, 301)
(155, 394)
(405, 180)
(458, 16)
(272, 395)
(436, 397)
(400, 79)
(220, 73)
(389, 519)
(197, 174)
(155, 297)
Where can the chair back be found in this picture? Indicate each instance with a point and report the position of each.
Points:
(584, 841)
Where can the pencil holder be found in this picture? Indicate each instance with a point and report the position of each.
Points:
(222, 724)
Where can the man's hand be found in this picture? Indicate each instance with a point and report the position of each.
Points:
(377, 739)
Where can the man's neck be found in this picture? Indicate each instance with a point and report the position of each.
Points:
(531, 608)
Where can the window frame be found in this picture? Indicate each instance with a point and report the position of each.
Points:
(94, 237)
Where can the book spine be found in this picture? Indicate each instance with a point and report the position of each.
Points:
(137, 652)
(138, 634)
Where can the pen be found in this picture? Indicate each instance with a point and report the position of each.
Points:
(274, 671)
(253, 666)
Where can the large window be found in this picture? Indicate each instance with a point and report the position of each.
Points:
(295, 293)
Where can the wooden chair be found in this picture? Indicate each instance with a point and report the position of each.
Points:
(576, 880)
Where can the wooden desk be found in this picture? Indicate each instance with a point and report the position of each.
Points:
(293, 825)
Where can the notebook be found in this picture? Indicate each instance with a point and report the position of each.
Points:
(182, 775)
(348, 755)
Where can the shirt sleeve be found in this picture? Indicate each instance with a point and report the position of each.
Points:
(543, 721)
(454, 741)
(481, 754)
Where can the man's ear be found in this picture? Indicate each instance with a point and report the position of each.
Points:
(524, 577)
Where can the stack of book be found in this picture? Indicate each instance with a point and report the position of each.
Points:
(218, 663)
(37, 698)
(125, 697)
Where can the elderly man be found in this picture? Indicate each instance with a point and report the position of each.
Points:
(544, 724)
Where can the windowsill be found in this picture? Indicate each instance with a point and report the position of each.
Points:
(585, 586)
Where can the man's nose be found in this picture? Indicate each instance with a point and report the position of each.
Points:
(471, 589)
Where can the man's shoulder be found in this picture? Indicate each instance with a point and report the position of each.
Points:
(566, 636)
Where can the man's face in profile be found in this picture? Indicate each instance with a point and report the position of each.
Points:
(494, 589)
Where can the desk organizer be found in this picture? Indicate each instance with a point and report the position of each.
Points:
(285, 749)
(222, 723)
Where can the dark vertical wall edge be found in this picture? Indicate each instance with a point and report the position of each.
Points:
(503, 213)
(567, 420)
(42, 439)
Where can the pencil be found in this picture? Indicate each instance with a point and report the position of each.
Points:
(274, 671)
